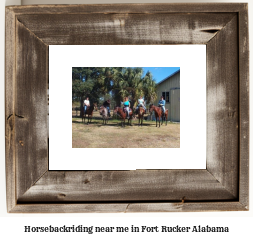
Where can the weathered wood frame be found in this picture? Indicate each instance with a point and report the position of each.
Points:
(222, 186)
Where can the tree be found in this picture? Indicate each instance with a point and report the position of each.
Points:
(149, 88)
(82, 83)
(118, 84)
(133, 83)
(101, 83)
(129, 82)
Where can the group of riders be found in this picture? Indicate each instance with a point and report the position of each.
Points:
(126, 105)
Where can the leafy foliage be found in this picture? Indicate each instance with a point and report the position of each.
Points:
(114, 83)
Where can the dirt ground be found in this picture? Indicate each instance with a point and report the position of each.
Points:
(112, 135)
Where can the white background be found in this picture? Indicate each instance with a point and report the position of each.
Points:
(190, 155)
(240, 223)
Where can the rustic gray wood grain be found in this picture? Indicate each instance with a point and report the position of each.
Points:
(222, 107)
(120, 29)
(186, 207)
(10, 64)
(30, 108)
(142, 185)
(129, 8)
(244, 106)
(223, 186)
(129, 207)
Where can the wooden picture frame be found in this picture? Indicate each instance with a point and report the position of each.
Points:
(222, 186)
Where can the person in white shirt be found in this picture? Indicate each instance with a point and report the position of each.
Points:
(140, 104)
(86, 103)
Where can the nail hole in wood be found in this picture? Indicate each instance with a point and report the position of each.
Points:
(86, 181)
(61, 195)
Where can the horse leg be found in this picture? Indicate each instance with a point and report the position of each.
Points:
(159, 121)
(156, 121)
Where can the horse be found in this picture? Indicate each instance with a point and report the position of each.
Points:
(165, 116)
(123, 115)
(159, 113)
(141, 113)
(104, 113)
(89, 112)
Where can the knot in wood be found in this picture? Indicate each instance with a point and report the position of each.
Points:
(61, 195)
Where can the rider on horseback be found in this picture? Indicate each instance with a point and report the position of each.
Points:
(86, 104)
(140, 104)
(161, 104)
(106, 104)
(126, 105)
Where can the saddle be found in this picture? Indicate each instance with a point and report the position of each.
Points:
(163, 113)
(124, 110)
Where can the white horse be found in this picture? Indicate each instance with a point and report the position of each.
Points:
(104, 113)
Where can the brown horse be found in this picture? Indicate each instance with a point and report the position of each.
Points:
(104, 113)
(140, 112)
(165, 116)
(89, 112)
(123, 115)
(158, 113)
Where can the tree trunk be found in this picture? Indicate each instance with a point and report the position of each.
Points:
(81, 105)
(132, 103)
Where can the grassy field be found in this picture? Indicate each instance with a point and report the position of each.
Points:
(112, 135)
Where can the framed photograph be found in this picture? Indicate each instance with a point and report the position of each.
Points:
(33, 34)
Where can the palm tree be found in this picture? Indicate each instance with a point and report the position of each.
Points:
(103, 81)
(118, 85)
(129, 82)
(149, 88)
(133, 83)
